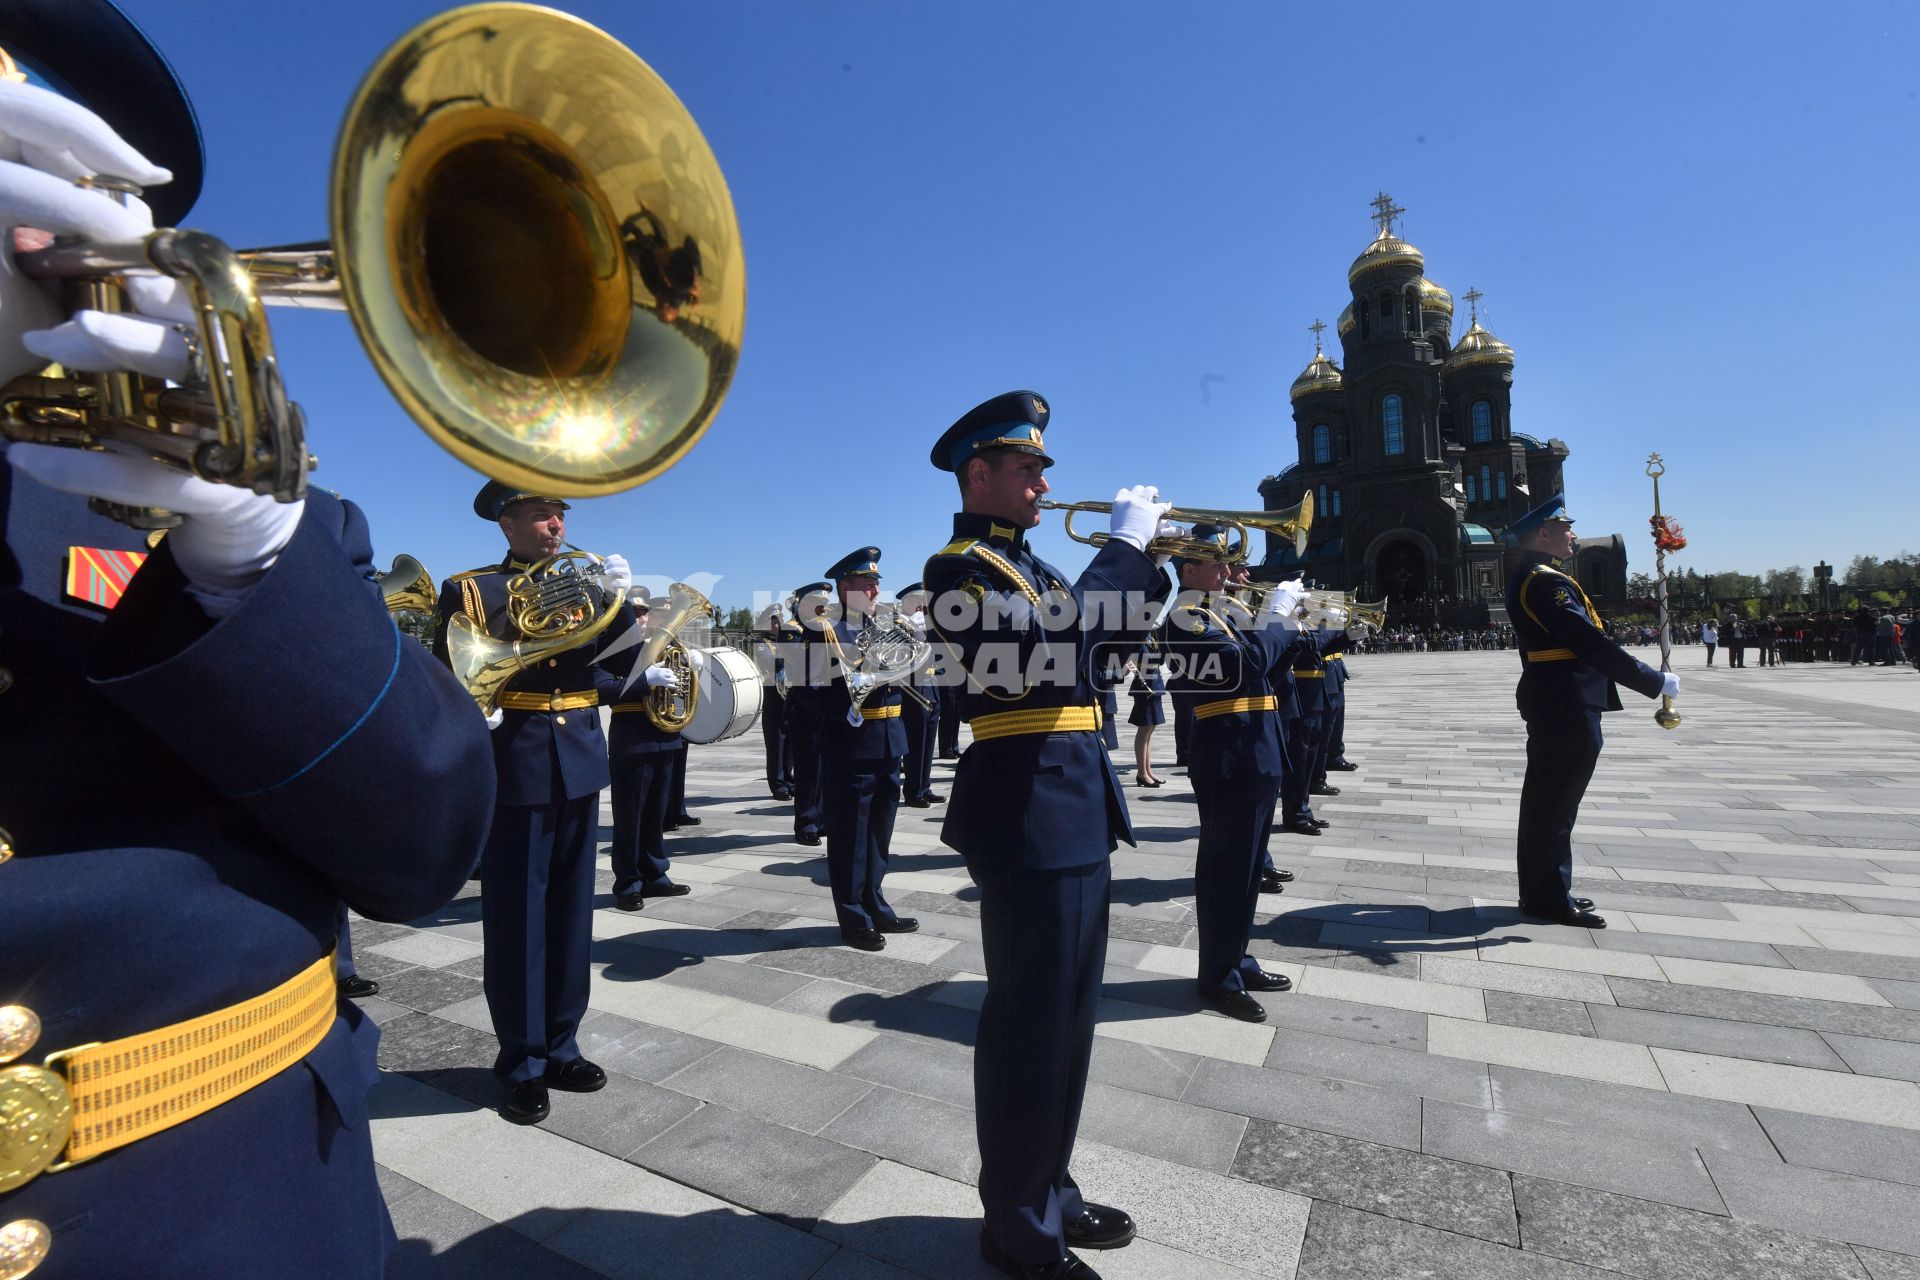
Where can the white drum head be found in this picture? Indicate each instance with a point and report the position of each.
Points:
(729, 700)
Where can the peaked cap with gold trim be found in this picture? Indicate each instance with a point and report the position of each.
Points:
(864, 561)
(1011, 421)
(494, 498)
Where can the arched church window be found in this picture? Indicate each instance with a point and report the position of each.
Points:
(1392, 430)
(1320, 499)
(1486, 481)
(1386, 313)
(1503, 484)
(1413, 311)
(1322, 443)
(1482, 422)
(1336, 502)
(1473, 489)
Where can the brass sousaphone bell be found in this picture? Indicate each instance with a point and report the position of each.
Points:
(535, 244)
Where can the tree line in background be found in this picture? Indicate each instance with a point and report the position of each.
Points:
(1890, 583)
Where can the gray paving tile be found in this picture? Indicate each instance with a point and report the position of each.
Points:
(1458, 1197)
(1647, 1114)
(1868, 1211)
(1845, 1146)
(692, 909)
(938, 1071)
(1901, 995)
(1674, 944)
(1374, 1024)
(1752, 1040)
(426, 990)
(381, 1010)
(393, 1187)
(620, 1117)
(441, 1240)
(1160, 1127)
(858, 968)
(633, 1245)
(912, 1130)
(1636, 1237)
(1888, 1266)
(422, 1042)
(1786, 1011)
(638, 1049)
(1521, 979)
(1578, 1152)
(1540, 1013)
(1345, 1244)
(1164, 1073)
(1330, 1106)
(851, 1264)
(783, 1093)
(369, 963)
(1893, 1059)
(791, 1176)
(1401, 1070)
(1864, 964)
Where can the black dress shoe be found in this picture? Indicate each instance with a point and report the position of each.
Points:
(918, 802)
(931, 798)
(1302, 828)
(865, 940)
(1272, 884)
(899, 924)
(1575, 919)
(632, 900)
(1323, 790)
(1067, 1268)
(1100, 1227)
(1321, 823)
(356, 987)
(578, 1076)
(665, 889)
(1583, 904)
(782, 795)
(526, 1102)
(808, 838)
(1281, 874)
(1150, 782)
(1264, 981)
(1342, 766)
(1235, 1004)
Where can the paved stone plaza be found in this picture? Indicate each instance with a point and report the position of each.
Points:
(1724, 1085)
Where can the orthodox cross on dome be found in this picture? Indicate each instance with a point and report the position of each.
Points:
(1318, 327)
(1384, 213)
(1473, 297)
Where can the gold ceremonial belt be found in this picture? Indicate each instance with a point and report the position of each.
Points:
(1008, 724)
(1227, 706)
(549, 701)
(891, 712)
(1309, 675)
(87, 1101)
(1335, 657)
(1549, 655)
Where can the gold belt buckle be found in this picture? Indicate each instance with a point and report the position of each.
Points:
(555, 702)
(36, 1119)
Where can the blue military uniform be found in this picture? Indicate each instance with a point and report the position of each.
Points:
(186, 804)
(1337, 677)
(1222, 666)
(1570, 670)
(803, 721)
(921, 717)
(770, 650)
(859, 775)
(640, 758)
(550, 763)
(1036, 810)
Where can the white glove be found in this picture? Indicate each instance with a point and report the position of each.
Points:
(230, 536)
(659, 677)
(919, 619)
(1169, 529)
(495, 718)
(1670, 685)
(1137, 513)
(615, 575)
(1283, 601)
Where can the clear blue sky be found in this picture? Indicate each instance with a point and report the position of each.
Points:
(1692, 222)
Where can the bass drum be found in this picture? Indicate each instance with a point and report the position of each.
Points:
(729, 698)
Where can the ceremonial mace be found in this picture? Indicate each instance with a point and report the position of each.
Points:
(1666, 537)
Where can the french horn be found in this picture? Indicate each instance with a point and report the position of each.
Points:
(553, 605)
(412, 603)
(671, 707)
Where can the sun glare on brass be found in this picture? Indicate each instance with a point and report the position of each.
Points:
(525, 218)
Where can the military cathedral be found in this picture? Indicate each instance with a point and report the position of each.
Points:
(1409, 448)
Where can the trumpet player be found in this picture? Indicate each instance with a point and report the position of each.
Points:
(1222, 663)
(860, 750)
(194, 776)
(1036, 810)
(550, 765)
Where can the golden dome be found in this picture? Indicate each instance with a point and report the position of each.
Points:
(1434, 298)
(1387, 250)
(1346, 324)
(1478, 347)
(1321, 374)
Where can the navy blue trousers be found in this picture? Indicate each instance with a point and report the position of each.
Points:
(949, 724)
(861, 799)
(1336, 752)
(773, 732)
(1045, 938)
(807, 818)
(677, 786)
(923, 728)
(641, 786)
(536, 920)
(343, 948)
(1182, 726)
(1302, 735)
(1234, 820)
(1562, 749)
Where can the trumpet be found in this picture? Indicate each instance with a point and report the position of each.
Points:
(1337, 611)
(1294, 523)
(533, 241)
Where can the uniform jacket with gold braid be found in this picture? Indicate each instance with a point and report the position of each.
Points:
(877, 737)
(189, 802)
(542, 757)
(1217, 655)
(1566, 660)
(1310, 675)
(1040, 801)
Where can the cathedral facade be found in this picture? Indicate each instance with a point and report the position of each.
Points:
(1409, 449)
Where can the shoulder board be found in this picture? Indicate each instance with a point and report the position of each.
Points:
(475, 573)
(958, 547)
